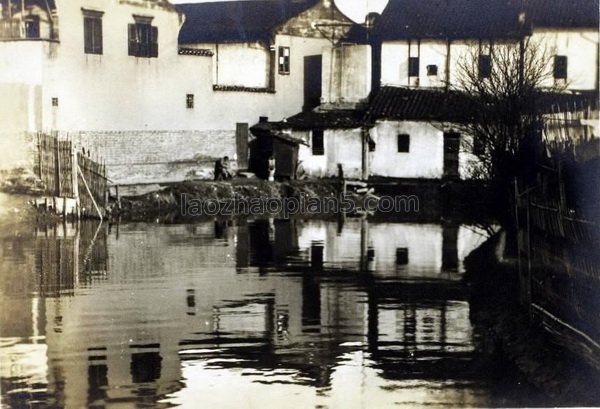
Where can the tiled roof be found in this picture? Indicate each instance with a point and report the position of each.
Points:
(548, 102)
(481, 19)
(419, 105)
(453, 19)
(322, 119)
(237, 21)
(200, 52)
(273, 130)
(562, 13)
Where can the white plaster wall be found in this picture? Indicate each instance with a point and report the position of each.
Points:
(580, 46)
(425, 158)
(239, 64)
(394, 63)
(115, 91)
(581, 49)
(346, 74)
(341, 146)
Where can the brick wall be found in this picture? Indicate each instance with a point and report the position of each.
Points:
(158, 156)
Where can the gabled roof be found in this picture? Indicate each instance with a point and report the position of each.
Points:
(324, 119)
(419, 104)
(562, 13)
(237, 21)
(452, 19)
(318, 119)
(481, 19)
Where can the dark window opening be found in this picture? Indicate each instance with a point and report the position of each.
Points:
(189, 101)
(403, 143)
(318, 143)
(402, 256)
(370, 254)
(372, 145)
(284, 60)
(92, 34)
(145, 367)
(432, 70)
(143, 40)
(54, 102)
(32, 27)
(560, 67)
(478, 146)
(485, 66)
(413, 66)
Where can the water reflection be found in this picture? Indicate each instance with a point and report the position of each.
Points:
(263, 313)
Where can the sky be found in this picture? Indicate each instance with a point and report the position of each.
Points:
(355, 9)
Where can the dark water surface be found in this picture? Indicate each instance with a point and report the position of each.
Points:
(258, 314)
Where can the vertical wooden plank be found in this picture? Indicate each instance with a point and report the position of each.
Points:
(241, 138)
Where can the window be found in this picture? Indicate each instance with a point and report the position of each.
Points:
(432, 70)
(318, 146)
(92, 31)
(54, 102)
(32, 27)
(403, 143)
(284, 60)
(402, 256)
(560, 67)
(485, 66)
(478, 145)
(189, 101)
(143, 38)
(413, 66)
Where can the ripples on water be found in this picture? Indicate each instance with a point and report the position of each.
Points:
(259, 314)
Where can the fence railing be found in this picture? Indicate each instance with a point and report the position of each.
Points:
(69, 173)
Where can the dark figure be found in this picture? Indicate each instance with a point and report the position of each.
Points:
(227, 174)
(218, 170)
(222, 170)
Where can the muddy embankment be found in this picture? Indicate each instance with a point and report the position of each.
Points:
(566, 378)
(177, 199)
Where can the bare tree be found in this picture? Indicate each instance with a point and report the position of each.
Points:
(503, 92)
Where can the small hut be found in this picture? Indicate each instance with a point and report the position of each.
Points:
(269, 141)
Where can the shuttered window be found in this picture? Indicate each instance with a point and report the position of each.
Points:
(143, 40)
(413, 67)
(92, 33)
(560, 67)
(284, 60)
(485, 66)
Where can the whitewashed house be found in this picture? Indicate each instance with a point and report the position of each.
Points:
(122, 80)
(413, 53)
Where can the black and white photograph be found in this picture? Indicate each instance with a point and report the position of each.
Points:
(299, 204)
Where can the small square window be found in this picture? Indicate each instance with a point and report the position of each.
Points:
(403, 143)
(402, 256)
(485, 66)
(54, 102)
(432, 70)
(560, 67)
(189, 101)
(318, 143)
(413, 66)
(284, 60)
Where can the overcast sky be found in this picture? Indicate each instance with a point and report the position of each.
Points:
(355, 9)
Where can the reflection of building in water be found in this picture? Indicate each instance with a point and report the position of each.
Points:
(35, 269)
(263, 295)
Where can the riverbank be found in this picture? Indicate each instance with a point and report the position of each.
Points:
(495, 305)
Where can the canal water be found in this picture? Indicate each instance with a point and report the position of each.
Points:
(246, 314)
